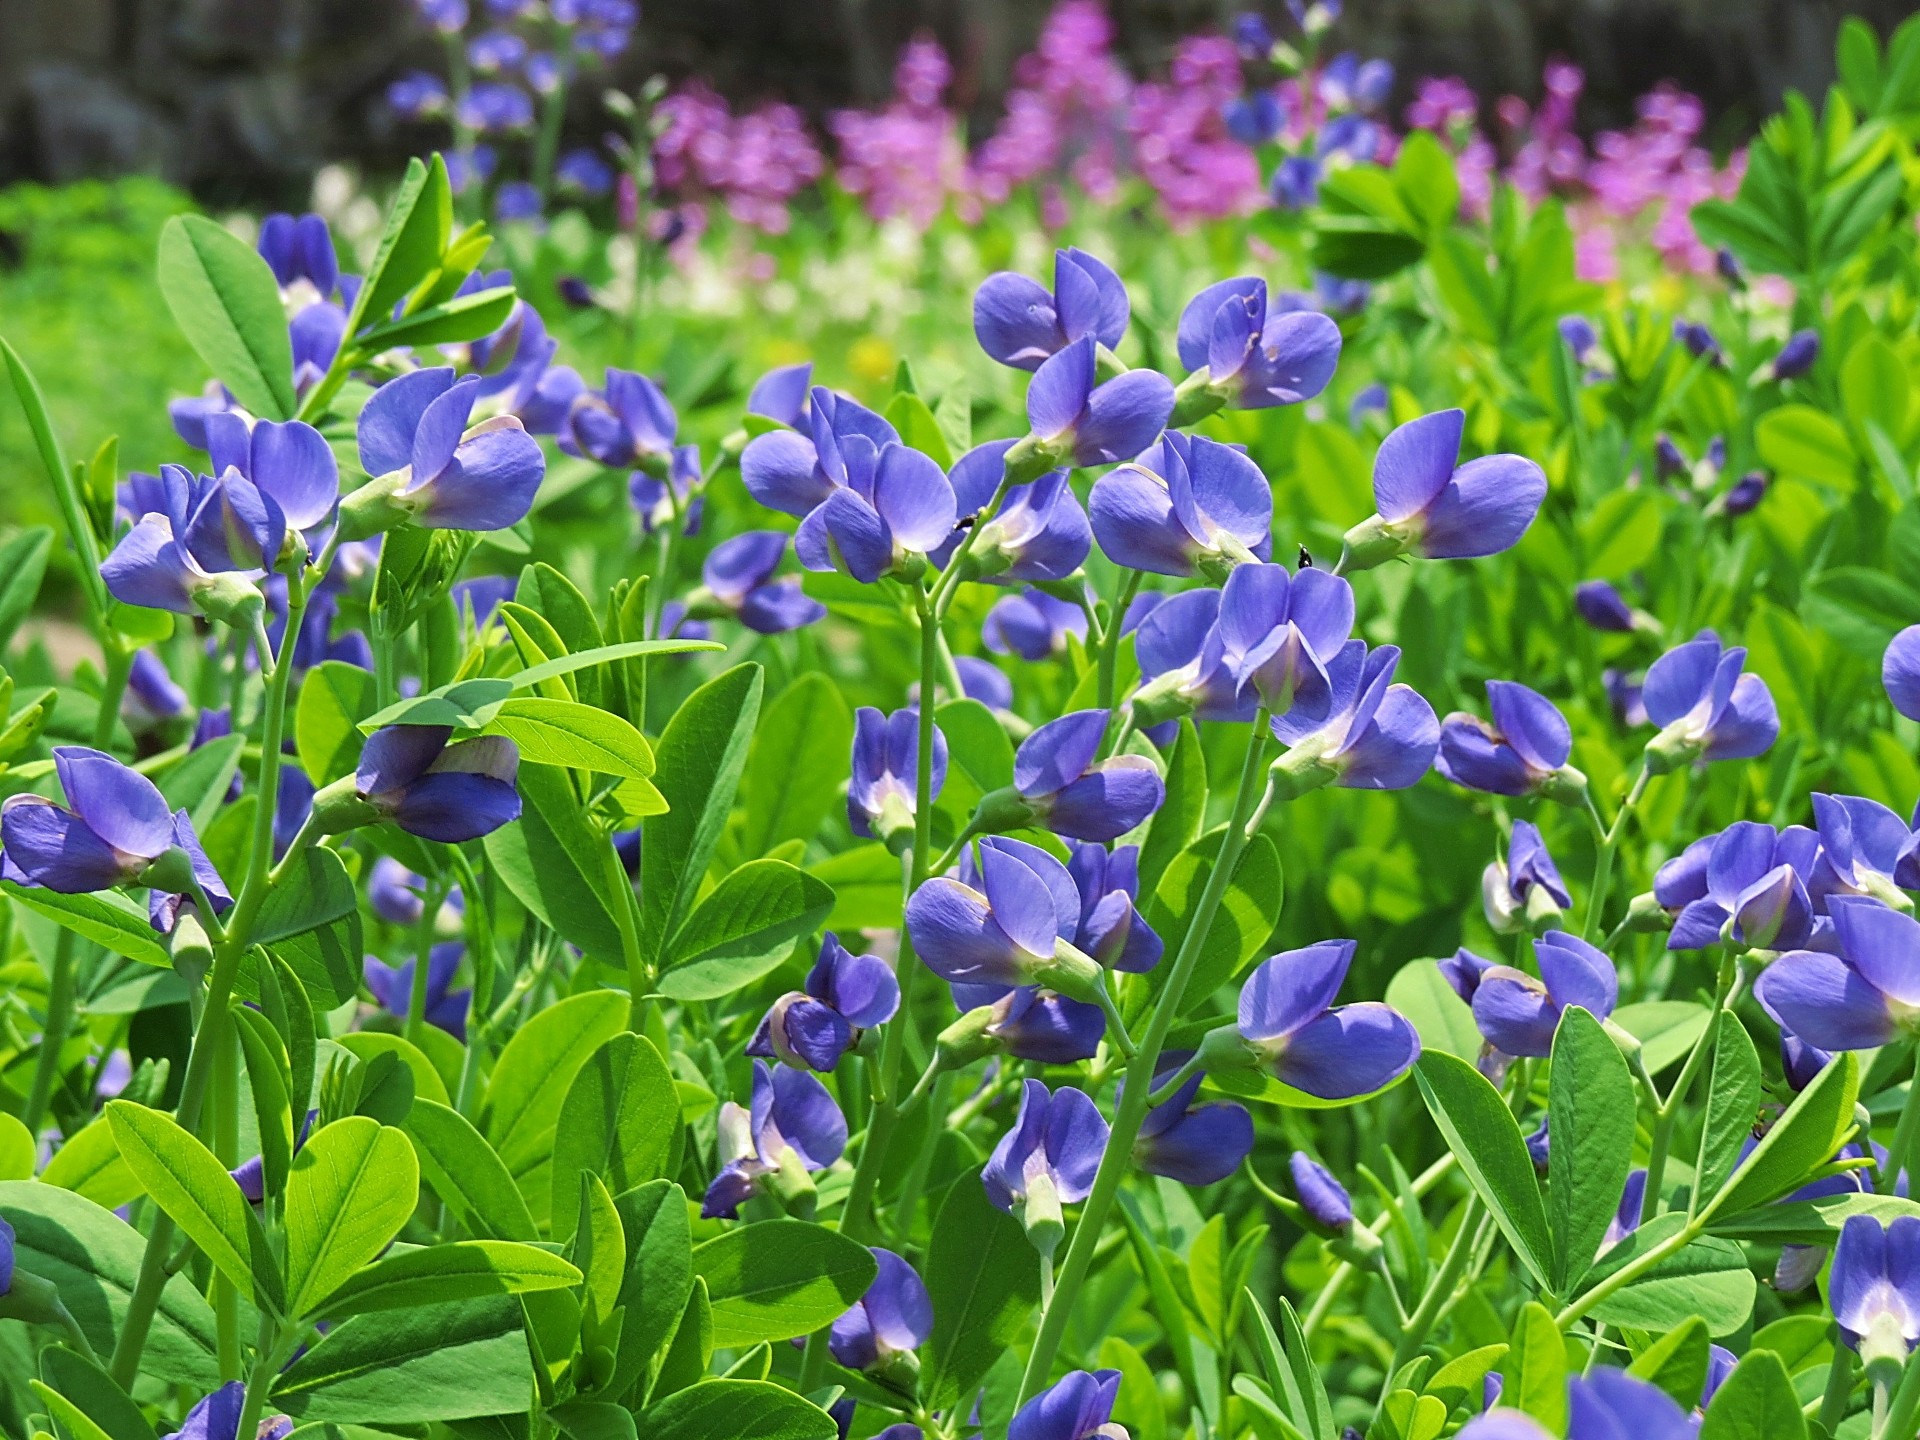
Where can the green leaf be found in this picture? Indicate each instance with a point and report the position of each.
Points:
(225, 300)
(797, 766)
(463, 704)
(775, 1279)
(89, 1164)
(555, 862)
(352, 1187)
(1481, 1132)
(23, 561)
(1444, 1021)
(105, 917)
(565, 732)
(106, 1404)
(418, 226)
(189, 1184)
(267, 1077)
(1666, 1029)
(743, 930)
(17, 1149)
(532, 1077)
(92, 1257)
(1536, 1373)
(1242, 925)
(452, 1270)
(465, 1172)
(866, 887)
(1801, 1140)
(393, 1367)
(334, 698)
(736, 1410)
(465, 317)
(1176, 824)
(53, 460)
(1623, 532)
(1677, 1362)
(198, 784)
(1802, 441)
(658, 1282)
(1756, 1402)
(1810, 1222)
(620, 1121)
(1590, 1116)
(980, 756)
(919, 429)
(605, 655)
(1709, 1278)
(1733, 1105)
(593, 1420)
(316, 891)
(70, 1416)
(1873, 386)
(700, 757)
(984, 1279)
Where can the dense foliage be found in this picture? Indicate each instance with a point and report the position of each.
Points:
(1180, 857)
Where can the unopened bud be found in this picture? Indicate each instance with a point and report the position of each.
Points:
(1301, 770)
(966, 1039)
(1040, 1213)
(1372, 542)
(192, 951)
(1565, 786)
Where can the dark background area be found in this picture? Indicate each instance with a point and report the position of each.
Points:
(241, 99)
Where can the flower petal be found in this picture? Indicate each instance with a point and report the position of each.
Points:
(1014, 320)
(1293, 988)
(120, 805)
(1123, 417)
(391, 418)
(1350, 1051)
(1825, 1002)
(1484, 509)
(1415, 462)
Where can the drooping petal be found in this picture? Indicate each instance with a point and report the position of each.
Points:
(1514, 1012)
(845, 531)
(293, 463)
(391, 418)
(912, 495)
(1123, 417)
(781, 393)
(456, 806)
(1484, 509)
(1014, 320)
(396, 755)
(1415, 462)
(1132, 516)
(1748, 725)
(897, 1302)
(1108, 801)
(956, 936)
(738, 565)
(807, 1117)
(781, 470)
(1679, 680)
(1051, 1029)
(149, 567)
(1577, 973)
(489, 483)
(1349, 1051)
(1882, 944)
(1395, 747)
(1058, 753)
(1293, 988)
(1825, 1002)
(1203, 1146)
(1076, 1138)
(119, 804)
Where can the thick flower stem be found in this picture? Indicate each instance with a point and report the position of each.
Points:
(227, 954)
(1440, 1294)
(113, 687)
(46, 1066)
(1900, 1154)
(266, 1360)
(1609, 845)
(1110, 640)
(1136, 1095)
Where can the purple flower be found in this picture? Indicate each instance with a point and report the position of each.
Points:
(1900, 672)
(495, 108)
(1874, 1287)
(1518, 1013)
(894, 1317)
(251, 1174)
(791, 1115)
(414, 439)
(1862, 997)
(1602, 607)
(739, 582)
(1188, 503)
(6, 1255)
(1324, 1198)
(1255, 118)
(292, 476)
(410, 775)
(1705, 707)
(1752, 889)
(781, 394)
(1527, 890)
(1038, 533)
(984, 681)
(657, 500)
(1194, 1144)
(480, 596)
(1072, 418)
(1296, 183)
(1377, 735)
(1277, 633)
(1001, 923)
(795, 474)
(845, 994)
(1111, 928)
(882, 792)
(1030, 1022)
(1256, 356)
(1462, 971)
(1745, 494)
(393, 892)
(1073, 794)
(517, 200)
(1579, 336)
(417, 95)
(1183, 664)
(152, 694)
(1079, 1406)
(631, 422)
(1058, 1138)
(1697, 339)
(1370, 399)
(1524, 750)
(1289, 1021)
(392, 987)
(449, 17)
(895, 506)
(1613, 1405)
(218, 1416)
(1800, 1062)
(1865, 849)
(118, 832)
(299, 250)
(1430, 504)
(179, 554)
(1797, 356)
(1020, 323)
(492, 51)
(1032, 625)
(1626, 1215)
(1252, 38)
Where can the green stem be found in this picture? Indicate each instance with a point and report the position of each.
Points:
(1630, 1272)
(224, 1123)
(949, 581)
(1116, 1025)
(46, 1066)
(1833, 1402)
(1438, 1296)
(119, 666)
(259, 1380)
(553, 116)
(1344, 1271)
(1904, 1409)
(422, 948)
(1669, 1110)
(1136, 1095)
(1110, 641)
(1900, 1154)
(1603, 857)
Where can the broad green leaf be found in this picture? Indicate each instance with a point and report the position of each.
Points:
(267, 1078)
(316, 891)
(23, 561)
(105, 917)
(89, 1164)
(1801, 1140)
(593, 1420)
(1810, 1222)
(535, 1071)
(1708, 1278)
(1802, 441)
(743, 930)
(198, 784)
(1733, 1105)
(1590, 1116)
(606, 654)
(452, 1270)
(565, 732)
(1445, 1022)
(334, 698)
(659, 1280)
(919, 429)
(106, 1404)
(1677, 1362)
(462, 704)
(1481, 1132)
(700, 758)
(1176, 824)
(189, 1184)
(71, 1417)
(620, 1120)
(1536, 1373)
(866, 883)
(984, 1280)
(1623, 532)
(1874, 388)
(366, 1045)
(406, 1367)
(797, 765)
(351, 1188)
(225, 300)
(465, 317)
(555, 862)
(16, 1149)
(463, 1170)
(1756, 1402)
(736, 1410)
(1242, 925)
(53, 460)
(775, 1279)
(418, 226)
(1666, 1029)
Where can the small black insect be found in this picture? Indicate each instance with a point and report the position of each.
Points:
(1306, 560)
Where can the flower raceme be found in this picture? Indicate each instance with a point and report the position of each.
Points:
(1021, 324)
(1429, 504)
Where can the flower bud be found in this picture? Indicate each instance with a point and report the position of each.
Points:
(1372, 542)
(191, 949)
(1041, 1215)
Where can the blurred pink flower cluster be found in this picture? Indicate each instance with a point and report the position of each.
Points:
(1180, 139)
(754, 164)
(907, 158)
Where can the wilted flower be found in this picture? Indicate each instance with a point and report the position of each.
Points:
(1032, 625)
(1079, 1406)
(1254, 356)
(1074, 419)
(1377, 735)
(1019, 323)
(1194, 1144)
(446, 1008)
(1706, 708)
(1289, 1022)
(739, 582)
(1324, 1198)
(1527, 891)
(894, 1317)
(792, 1119)
(1187, 503)
(1523, 752)
(428, 466)
(1430, 504)
(1518, 1013)
(410, 775)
